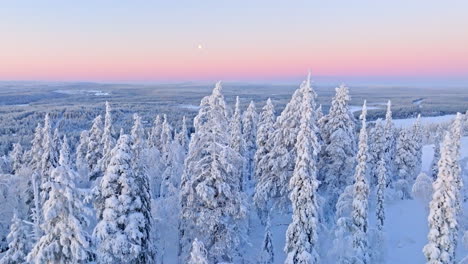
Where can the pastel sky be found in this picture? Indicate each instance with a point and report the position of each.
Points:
(144, 40)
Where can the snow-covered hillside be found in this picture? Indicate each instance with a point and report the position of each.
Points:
(252, 186)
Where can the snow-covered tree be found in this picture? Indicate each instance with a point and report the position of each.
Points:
(81, 151)
(166, 139)
(16, 158)
(49, 160)
(249, 131)
(36, 205)
(342, 247)
(319, 112)
(235, 128)
(173, 170)
(121, 233)
(33, 159)
(155, 133)
(94, 154)
(376, 151)
(237, 139)
(138, 137)
(337, 158)
(265, 128)
(107, 139)
(18, 246)
(213, 207)
(390, 146)
(443, 224)
(267, 255)
(417, 133)
(435, 159)
(456, 130)
(65, 219)
(360, 197)
(183, 135)
(198, 255)
(34, 155)
(422, 188)
(56, 144)
(406, 162)
(140, 170)
(381, 185)
(301, 236)
(279, 162)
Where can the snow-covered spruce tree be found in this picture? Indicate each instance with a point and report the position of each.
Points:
(376, 151)
(435, 159)
(265, 128)
(107, 139)
(49, 159)
(381, 172)
(337, 158)
(198, 254)
(267, 255)
(56, 144)
(94, 154)
(183, 135)
(417, 133)
(406, 162)
(360, 197)
(18, 246)
(33, 159)
(34, 155)
(81, 151)
(390, 146)
(456, 133)
(121, 231)
(301, 236)
(443, 224)
(138, 139)
(166, 139)
(279, 162)
(213, 207)
(65, 219)
(140, 169)
(249, 131)
(36, 205)
(16, 157)
(173, 170)
(237, 139)
(155, 133)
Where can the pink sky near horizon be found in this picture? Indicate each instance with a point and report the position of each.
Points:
(138, 45)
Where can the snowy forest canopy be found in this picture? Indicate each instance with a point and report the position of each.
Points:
(213, 189)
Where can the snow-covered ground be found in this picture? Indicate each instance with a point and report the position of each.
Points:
(355, 108)
(189, 107)
(402, 123)
(83, 92)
